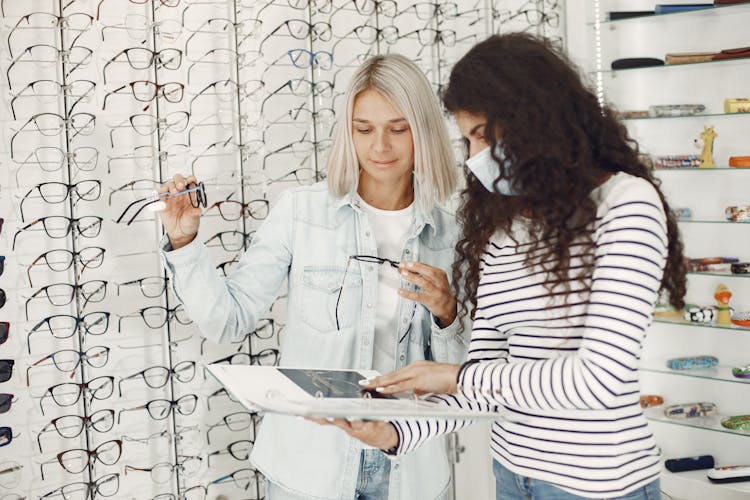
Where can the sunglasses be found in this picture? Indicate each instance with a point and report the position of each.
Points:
(6, 400)
(2, 298)
(4, 331)
(6, 369)
(6, 436)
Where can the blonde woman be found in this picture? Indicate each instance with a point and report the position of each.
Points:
(366, 257)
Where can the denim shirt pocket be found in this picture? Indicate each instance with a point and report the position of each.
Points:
(322, 290)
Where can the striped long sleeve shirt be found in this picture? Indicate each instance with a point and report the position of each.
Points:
(563, 366)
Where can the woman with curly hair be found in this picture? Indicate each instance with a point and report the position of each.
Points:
(567, 242)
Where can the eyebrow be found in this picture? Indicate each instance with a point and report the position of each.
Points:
(395, 120)
(477, 127)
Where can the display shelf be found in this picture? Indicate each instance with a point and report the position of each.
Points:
(720, 275)
(694, 170)
(702, 15)
(719, 372)
(666, 67)
(711, 220)
(712, 423)
(702, 115)
(683, 322)
(696, 482)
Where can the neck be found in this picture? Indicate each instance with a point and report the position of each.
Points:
(386, 196)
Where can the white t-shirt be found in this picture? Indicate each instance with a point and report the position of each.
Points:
(391, 229)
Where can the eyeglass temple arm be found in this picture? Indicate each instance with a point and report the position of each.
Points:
(106, 96)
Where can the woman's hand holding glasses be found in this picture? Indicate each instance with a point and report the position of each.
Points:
(180, 216)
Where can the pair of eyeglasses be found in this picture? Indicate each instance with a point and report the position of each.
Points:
(235, 422)
(6, 400)
(4, 331)
(158, 440)
(150, 286)
(77, 21)
(6, 369)
(68, 393)
(264, 329)
(371, 259)
(52, 159)
(105, 486)
(147, 91)
(71, 426)
(67, 360)
(143, 58)
(213, 153)
(301, 29)
(139, 28)
(230, 241)
(62, 260)
(45, 55)
(196, 194)
(266, 357)
(6, 436)
(62, 294)
(534, 17)
(227, 90)
(239, 450)
(385, 8)
(146, 124)
(303, 59)
(368, 34)
(58, 226)
(63, 326)
(158, 376)
(162, 472)
(10, 474)
(49, 91)
(430, 36)
(78, 460)
(58, 192)
(231, 210)
(159, 409)
(158, 316)
(146, 157)
(53, 124)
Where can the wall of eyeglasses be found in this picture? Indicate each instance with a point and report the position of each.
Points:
(102, 390)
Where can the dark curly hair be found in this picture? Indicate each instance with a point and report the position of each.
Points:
(562, 144)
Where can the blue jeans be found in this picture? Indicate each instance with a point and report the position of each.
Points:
(372, 481)
(512, 486)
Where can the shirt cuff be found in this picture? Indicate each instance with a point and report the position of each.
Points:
(466, 381)
(399, 450)
(183, 255)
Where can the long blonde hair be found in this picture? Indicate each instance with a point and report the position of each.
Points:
(404, 85)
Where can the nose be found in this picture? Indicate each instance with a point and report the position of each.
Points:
(380, 143)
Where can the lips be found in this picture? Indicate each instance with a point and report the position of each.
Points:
(384, 163)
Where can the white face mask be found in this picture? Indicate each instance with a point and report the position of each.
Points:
(486, 170)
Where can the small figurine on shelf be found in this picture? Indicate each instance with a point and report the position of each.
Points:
(722, 296)
(706, 143)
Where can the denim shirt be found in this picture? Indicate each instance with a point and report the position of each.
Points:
(307, 239)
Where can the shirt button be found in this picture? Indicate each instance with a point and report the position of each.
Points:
(367, 233)
(402, 357)
(404, 320)
(369, 306)
(407, 252)
(395, 466)
(370, 268)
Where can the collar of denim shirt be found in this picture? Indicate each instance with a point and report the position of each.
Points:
(422, 217)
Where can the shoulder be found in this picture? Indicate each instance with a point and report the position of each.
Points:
(624, 193)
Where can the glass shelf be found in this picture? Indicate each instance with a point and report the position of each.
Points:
(704, 115)
(613, 72)
(712, 220)
(719, 372)
(712, 423)
(693, 14)
(696, 482)
(720, 275)
(684, 169)
(682, 322)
